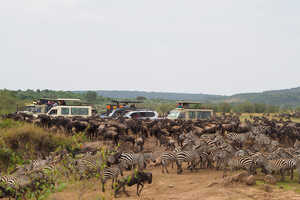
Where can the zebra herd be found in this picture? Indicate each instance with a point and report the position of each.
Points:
(32, 176)
(224, 152)
(106, 165)
(196, 145)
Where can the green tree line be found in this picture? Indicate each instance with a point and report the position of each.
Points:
(9, 100)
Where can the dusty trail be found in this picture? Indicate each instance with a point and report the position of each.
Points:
(188, 186)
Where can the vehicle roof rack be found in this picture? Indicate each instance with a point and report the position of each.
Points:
(59, 99)
(64, 99)
(189, 102)
(126, 101)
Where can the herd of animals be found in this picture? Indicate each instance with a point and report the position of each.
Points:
(225, 143)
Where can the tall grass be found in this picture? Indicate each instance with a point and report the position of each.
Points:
(9, 123)
(20, 143)
(30, 138)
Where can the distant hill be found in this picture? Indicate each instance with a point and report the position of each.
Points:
(286, 97)
(159, 95)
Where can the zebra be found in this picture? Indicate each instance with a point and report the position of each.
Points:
(204, 158)
(130, 160)
(88, 165)
(14, 184)
(291, 165)
(36, 165)
(167, 157)
(241, 153)
(219, 157)
(187, 143)
(42, 164)
(239, 139)
(111, 173)
(236, 163)
(277, 165)
(186, 156)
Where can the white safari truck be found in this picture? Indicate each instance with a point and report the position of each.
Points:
(70, 111)
(184, 112)
(58, 107)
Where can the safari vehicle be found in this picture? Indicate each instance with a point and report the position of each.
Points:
(70, 111)
(142, 114)
(119, 108)
(184, 112)
(32, 108)
(57, 107)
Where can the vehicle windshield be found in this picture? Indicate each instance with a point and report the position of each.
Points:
(203, 115)
(174, 114)
(29, 108)
(32, 109)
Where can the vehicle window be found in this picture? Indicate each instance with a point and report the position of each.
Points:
(181, 115)
(192, 115)
(135, 115)
(29, 108)
(79, 111)
(65, 111)
(173, 114)
(53, 112)
(199, 115)
(206, 114)
(141, 114)
(203, 114)
(118, 113)
(149, 114)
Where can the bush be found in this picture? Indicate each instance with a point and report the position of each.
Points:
(8, 123)
(9, 159)
(29, 140)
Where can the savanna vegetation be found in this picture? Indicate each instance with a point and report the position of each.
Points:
(9, 100)
(285, 99)
(20, 143)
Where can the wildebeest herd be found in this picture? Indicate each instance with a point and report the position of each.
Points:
(223, 143)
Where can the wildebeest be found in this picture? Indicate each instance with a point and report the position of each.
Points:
(138, 178)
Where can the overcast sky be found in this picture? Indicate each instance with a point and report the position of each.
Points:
(195, 46)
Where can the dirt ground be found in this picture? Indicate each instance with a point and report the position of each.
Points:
(189, 186)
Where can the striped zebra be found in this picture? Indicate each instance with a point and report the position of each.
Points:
(39, 162)
(45, 169)
(204, 159)
(290, 166)
(130, 160)
(111, 173)
(240, 139)
(187, 143)
(237, 163)
(219, 158)
(221, 155)
(13, 185)
(88, 165)
(169, 157)
(186, 156)
(278, 165)
(43, 165)
(270, 166)
(166, 158)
